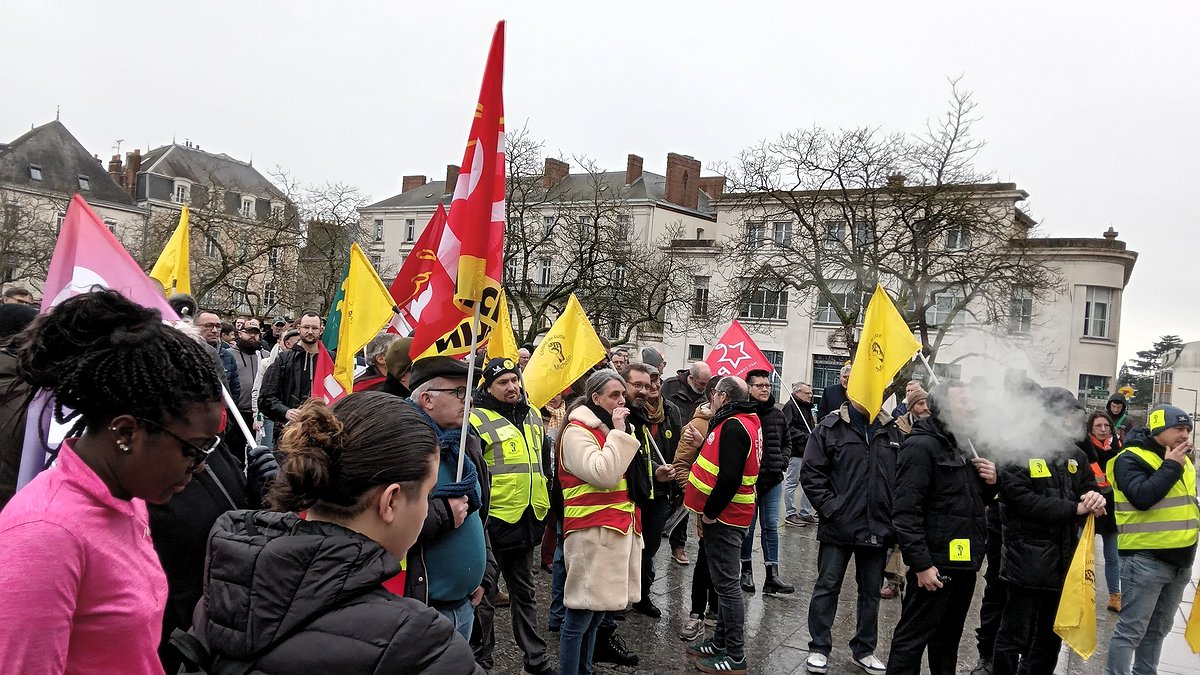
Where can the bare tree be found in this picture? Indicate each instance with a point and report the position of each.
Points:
(333, 223)
(830, 214)
(29, 229)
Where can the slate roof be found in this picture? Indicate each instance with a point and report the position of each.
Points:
(206, 168)
(63, 159)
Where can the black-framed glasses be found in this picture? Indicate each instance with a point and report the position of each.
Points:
(198, 453)
(460, 392)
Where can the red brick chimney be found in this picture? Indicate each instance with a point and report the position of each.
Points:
(411, 182)
(451, 178)
(116, 170)
(713, 186)
(633, 169)
(683, 180)
(133, 164)
(556, 170)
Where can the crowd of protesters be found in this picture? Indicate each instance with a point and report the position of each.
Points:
(375, 535)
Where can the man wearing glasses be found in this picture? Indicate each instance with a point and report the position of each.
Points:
(769, 488)
(209, 325)
(15, 295)
(247, 355)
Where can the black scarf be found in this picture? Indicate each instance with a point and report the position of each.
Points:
(637, 474)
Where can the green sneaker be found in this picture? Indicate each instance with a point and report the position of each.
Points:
(722, 663)
(707, 648)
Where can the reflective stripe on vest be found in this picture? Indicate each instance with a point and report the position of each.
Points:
(514, 458)
(1173, 522)
(740, 510)
(586, 506)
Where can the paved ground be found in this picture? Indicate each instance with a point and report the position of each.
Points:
(777, 628)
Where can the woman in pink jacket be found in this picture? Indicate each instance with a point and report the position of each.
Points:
(81, 589)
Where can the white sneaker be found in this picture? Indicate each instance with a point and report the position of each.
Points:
(871, 664)
(817, 663)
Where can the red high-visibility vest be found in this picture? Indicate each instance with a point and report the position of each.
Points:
(585, 505)
(740, 511)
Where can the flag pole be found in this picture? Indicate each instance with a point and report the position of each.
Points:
(929, 369)
(462, 441)
(237, 418)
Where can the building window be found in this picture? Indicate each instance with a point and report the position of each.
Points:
(624, 227)
(699, 233)
(864, 234)
(410, 230)
(376, 261)
(111, 225)
(1020, 314)
(827, 370)
(835, 235)
(547, 225)
(1096, 312)
(273, 256)
(700, 304)
(544, 269)
(247, 210)
(85, 183)
(240, 294)
(840, 296)
(614, 327)
(276, 212)
(957, 238)
(12, 215)
(59, 219)
(776, 359)
(379, 229)
(182, 193)
(586, 226)
(35, 172)
(763, 303)
(210, 247)
(948, 371)
(618, 276)
(755, 235)
(10, 271)
(781, 233)
(944, 307)
(1095, 386)
(695, 353)
(270, 296)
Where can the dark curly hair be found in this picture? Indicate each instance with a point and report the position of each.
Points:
(334, 458)
(104, 355)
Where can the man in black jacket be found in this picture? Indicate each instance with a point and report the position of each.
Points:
(797, 413)
(1043, 502)
(938, 514)
(686, 390)
(834, 395)
(769, 488)
(287, 384)
(849, 468)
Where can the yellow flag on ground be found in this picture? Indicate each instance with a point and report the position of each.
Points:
(501, 343)
(568, 351)
(885, 346)
(172, 269)
(362, 307)
(1191, 632)
(1075, 621)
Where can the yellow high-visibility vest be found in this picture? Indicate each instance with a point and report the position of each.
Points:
(1174, 522)
(514, 457)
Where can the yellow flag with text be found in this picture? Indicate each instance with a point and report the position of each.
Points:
(568, 351)
(501, 342)
(1075, 621)
(1191, 632)
(173, 269)
(364, 306)
(886, 345)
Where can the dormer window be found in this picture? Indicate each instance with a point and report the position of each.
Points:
(85, 183)
(35, 172)
(182, 193)
(247, 210)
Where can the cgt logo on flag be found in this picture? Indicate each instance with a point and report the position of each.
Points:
(736, 354)
(876, 353)
(733, 355)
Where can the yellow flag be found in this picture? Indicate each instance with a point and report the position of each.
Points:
(365, 307)
(1191, 632)
(501, 343)
(885, 346)
(172, 269)
(568, 351)
(1075, 621)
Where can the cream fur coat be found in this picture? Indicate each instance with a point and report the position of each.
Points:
(604, 567)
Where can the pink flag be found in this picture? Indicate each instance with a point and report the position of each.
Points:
(736, 354)
(325, 386)
(88, 255)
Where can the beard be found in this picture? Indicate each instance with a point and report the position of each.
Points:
(248, 346)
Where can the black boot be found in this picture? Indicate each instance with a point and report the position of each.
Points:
(774, 584)
(747, 578)
(610, 648)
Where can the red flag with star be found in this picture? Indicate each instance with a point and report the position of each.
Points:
(736, 354)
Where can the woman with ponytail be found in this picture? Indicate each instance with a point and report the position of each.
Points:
(81, 589)
(291, 595)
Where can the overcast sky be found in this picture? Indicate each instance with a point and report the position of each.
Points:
(1091, 107)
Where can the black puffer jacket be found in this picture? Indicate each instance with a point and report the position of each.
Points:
(939, 498)
(799, 418)
(286, 384)
(293, 596)
(776, 450)
(1037, 515)
(849, 480)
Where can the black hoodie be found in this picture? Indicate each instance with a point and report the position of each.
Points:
(293, 596)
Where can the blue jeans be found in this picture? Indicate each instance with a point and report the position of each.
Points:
(791, 481)
(1112, 563)
(558, 585)
(577, 640)
(462, 616)
(1150, 594)
(766, 511)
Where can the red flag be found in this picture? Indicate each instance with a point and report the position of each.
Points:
(472, 247)
(422, 278)
(325, 386)
(736, 354)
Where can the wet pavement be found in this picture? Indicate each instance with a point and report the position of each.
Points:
(777, 626)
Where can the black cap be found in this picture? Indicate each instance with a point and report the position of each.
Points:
(494, 369)
(279, 321)
(424, 370)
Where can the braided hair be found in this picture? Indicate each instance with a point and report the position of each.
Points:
(104, 355)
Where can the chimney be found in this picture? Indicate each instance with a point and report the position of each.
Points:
(713, 186)
(683, 180)
(896, 180)
(451, 178)
(1111, 233)
(116, 170)
(556, 170)
(133, 164)
(411, 182)
(633, 169)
